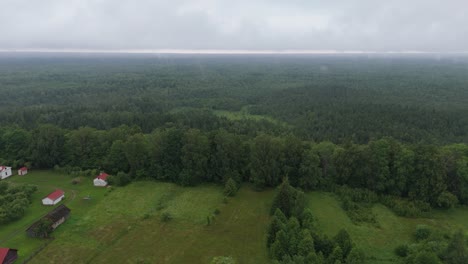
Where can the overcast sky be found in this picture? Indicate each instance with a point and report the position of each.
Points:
(328, 25)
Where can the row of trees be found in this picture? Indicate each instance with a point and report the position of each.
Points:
(435, 175)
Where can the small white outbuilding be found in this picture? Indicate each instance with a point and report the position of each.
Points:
(5, 172)
(22, 171)
(101, 179)
(54, 198)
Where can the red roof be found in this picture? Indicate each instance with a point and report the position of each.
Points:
(102, 176)
(55, 195)
(3, 254)
(23, 169)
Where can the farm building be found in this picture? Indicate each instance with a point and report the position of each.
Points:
(101, 179)
(49, 222)
(8, 255)
(23, 171)
(5, 172)
(54, 198)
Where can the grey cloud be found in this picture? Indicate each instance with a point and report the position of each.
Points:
(363, 25)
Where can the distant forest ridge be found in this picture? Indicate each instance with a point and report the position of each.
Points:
(413, 98)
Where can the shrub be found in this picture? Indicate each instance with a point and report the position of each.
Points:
(166, 217)
(446, 200)
(217, 211)
(121, 179)
(402, 250)
(422, 232)
(76, 180)
(358, 195)
(406, 208)
(230, 188)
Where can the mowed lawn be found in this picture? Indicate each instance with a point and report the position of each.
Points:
(13, 235)
(378, 241)
(126, 227)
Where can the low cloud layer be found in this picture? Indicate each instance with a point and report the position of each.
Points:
(351, 25)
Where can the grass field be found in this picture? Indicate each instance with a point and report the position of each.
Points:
(124, 225)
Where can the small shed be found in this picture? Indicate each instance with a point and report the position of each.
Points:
(101, 179)
(22, 171)
(8, 255)
(55, 217)
(5, 172)
(54, 197)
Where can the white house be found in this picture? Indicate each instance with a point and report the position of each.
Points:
(54, 198)
(101, 179)
(5, 172)
(23, 171)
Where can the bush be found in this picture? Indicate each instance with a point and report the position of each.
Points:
(422, 232)
(358, 212)
(446, 200)
(402, 250)
(406, 208)
(357, 195)
(121, 179)
(76, 180)
(230, 188)
(166, 217)
(217, 211)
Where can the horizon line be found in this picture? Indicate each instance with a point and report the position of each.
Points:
(223, 51)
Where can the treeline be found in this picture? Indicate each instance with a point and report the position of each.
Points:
(430, 174)
(14, 200)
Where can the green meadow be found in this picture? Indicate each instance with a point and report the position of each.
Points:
(125, 225)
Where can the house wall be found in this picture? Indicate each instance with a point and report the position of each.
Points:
(5, 173)
(20, 172)
(47, 201)
(99, 182)
(59, 222)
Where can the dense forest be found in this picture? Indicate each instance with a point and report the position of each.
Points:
(389, 129)
(337, 98)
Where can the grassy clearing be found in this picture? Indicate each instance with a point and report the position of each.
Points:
(244, 114)
(379, 241)
(126, 225)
